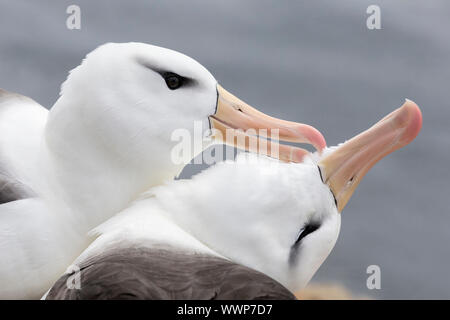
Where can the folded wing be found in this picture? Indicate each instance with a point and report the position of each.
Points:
(22, 122)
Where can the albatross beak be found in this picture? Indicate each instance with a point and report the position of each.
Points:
(343, 169)
(233, 117)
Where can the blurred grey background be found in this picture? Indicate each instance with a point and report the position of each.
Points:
(307, 61)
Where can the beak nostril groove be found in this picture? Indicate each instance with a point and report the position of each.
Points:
(237, 108)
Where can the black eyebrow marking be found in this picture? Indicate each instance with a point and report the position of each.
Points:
(146, 64)
(293, 252)
(187, 81)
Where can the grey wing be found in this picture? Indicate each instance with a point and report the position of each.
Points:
(22, 122)
(165, 273)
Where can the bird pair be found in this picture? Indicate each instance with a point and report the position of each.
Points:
(245, 229)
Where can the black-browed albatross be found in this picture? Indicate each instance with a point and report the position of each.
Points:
(106, 140)
(247, 230)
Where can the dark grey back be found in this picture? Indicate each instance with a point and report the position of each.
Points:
(166, 273)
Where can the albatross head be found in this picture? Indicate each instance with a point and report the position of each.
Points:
(128, 100)
(283, 219)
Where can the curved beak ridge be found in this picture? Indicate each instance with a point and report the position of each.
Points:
(236, 123)
(344, 168)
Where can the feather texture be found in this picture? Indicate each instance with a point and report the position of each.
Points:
(165, 273)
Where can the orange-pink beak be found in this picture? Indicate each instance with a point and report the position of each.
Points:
(234, 120)
(344, 168)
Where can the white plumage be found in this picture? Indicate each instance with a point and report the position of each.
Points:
(249, 211)
(107, 139)
(281, 219)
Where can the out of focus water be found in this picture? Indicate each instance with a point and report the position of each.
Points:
(307, 61)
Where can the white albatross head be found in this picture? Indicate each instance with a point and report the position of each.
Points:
(111, 131)
(129, 98)
(283, 219)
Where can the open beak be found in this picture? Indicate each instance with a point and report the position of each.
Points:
(238, 124)
(344, 168)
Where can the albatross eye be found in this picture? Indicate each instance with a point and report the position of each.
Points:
(173, 80)
(309, 228)
(304, 231)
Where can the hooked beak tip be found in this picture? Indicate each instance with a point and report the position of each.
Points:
(314, 137)
(414, 118)
(344, 168)
(233, 117)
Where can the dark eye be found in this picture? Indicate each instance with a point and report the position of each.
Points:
(309, 228)
(304, 231)
(173, 80)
